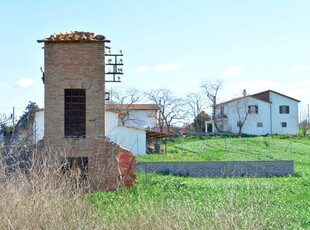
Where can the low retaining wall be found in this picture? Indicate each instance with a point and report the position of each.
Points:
(214, 169)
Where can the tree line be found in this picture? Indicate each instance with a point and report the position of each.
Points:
(190, 111)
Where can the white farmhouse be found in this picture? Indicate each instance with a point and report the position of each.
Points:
(142, 116)
(131, 138)
(267, 112)
(38, 125)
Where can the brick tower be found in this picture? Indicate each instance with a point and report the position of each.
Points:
(74, 117)
(74, 80)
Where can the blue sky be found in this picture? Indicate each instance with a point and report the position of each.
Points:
(176, 44)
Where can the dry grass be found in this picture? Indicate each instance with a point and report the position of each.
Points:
(43, 198)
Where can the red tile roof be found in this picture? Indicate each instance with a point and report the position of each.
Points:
(74, 36)
(111, 107)
(263, 96)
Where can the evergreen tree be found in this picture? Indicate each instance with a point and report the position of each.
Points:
(23, 121)
(200, 122)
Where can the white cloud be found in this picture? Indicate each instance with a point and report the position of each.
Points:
(24, 83)
(232, 71)
(173, 66)
(300, 68)
(304, 83)
(143, 69)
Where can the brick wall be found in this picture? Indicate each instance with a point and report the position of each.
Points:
(103, 170)
(111, 170)
(74, 65)
(220, 168)
(76, 60)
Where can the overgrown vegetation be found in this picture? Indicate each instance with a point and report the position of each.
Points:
(43, 199)
(41, 196)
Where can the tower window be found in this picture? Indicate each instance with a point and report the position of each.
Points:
(75, 113)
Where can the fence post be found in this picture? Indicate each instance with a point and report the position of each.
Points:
(137, 144)
(269, 147)
(146, 179)
(291, 147)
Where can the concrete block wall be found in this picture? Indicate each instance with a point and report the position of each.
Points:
(215, 169)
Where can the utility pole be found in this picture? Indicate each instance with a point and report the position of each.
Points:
(13, 117)
(160, 122)
(308, 112)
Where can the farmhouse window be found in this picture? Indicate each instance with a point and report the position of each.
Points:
(222, 111)
(284, 109)
(75, 113)
(284, 124)
(253, 109)
(259, 124)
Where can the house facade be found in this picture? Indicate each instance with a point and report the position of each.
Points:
(38, 126)
(131, 138)
(141, 116)
(267, 112)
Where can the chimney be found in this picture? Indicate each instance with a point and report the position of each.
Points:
(244, 92)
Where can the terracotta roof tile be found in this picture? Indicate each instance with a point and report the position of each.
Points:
(111, 107)
(263, 96)
(74, 36)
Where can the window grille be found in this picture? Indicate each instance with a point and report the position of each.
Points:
(75, 113)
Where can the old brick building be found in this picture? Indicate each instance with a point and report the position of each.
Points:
(74, 118)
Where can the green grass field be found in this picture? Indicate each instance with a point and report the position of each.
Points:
(231, 149)
(168, 202)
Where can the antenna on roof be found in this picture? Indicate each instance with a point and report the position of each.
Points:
(244, 92)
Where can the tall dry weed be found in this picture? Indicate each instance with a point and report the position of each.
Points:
(42, 196)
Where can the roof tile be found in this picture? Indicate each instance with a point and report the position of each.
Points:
(74, 36)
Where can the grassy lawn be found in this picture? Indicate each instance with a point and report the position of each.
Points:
(234, 149)
(168, 202)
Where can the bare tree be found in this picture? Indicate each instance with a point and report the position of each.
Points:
(121, 102)
(242, 111)
(304, 126)
(195, 104)
(305, 122)
(170, 107)
(211, 89)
